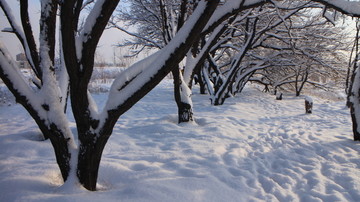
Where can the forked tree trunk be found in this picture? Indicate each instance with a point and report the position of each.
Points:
(91, 145)
(218, 101)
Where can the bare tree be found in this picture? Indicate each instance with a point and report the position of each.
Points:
(311, 52)
(235, 59)
(45, 101)
(350, 8)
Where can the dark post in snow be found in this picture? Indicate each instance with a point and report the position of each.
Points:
(308, 105)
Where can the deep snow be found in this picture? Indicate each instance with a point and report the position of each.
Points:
(253, 148)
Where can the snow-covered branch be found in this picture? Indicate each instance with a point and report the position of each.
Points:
(127, 92)
(351, 8)
(13, 77)
(136, 35)
(29, 48)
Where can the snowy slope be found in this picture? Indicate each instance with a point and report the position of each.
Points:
(252, 148)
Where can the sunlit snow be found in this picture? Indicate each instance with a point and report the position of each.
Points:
(251, 148)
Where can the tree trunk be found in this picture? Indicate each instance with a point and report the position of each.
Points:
(354, 124)
(354, 103)
(185, 113)
(90, 152)
(218, 101)
(88, 165)
(202, 88)
(308, 105)
(199, 80)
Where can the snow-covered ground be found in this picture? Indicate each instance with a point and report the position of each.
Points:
(253, 148)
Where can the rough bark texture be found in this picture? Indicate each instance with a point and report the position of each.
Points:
(185, 112)
(356, 133)
(200, 81)
(90, 152)
(353, 100)
(34, 56)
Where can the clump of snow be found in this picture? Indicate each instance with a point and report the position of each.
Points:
(308, 99)
(251, 148)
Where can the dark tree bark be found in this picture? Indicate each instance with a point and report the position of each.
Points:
(353, 103)
(34, 56)
(308, 106)
(185, 113)
(354, 119)
(226, 87)
(200, 81)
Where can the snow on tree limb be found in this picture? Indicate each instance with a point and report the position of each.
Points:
(228, 9)
(139, 85)
(16, 28)
(351, 8)
(150, 41)
(86, 3)
(97, 19)
(10, 72)
(47, 35)
(34, 56)
(123, 88)
(231, 7)
(193, 62)
(91, 20)
(93, 28)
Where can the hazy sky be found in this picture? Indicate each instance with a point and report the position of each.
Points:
(106, 49)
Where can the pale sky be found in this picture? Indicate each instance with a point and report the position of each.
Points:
(105, 49)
